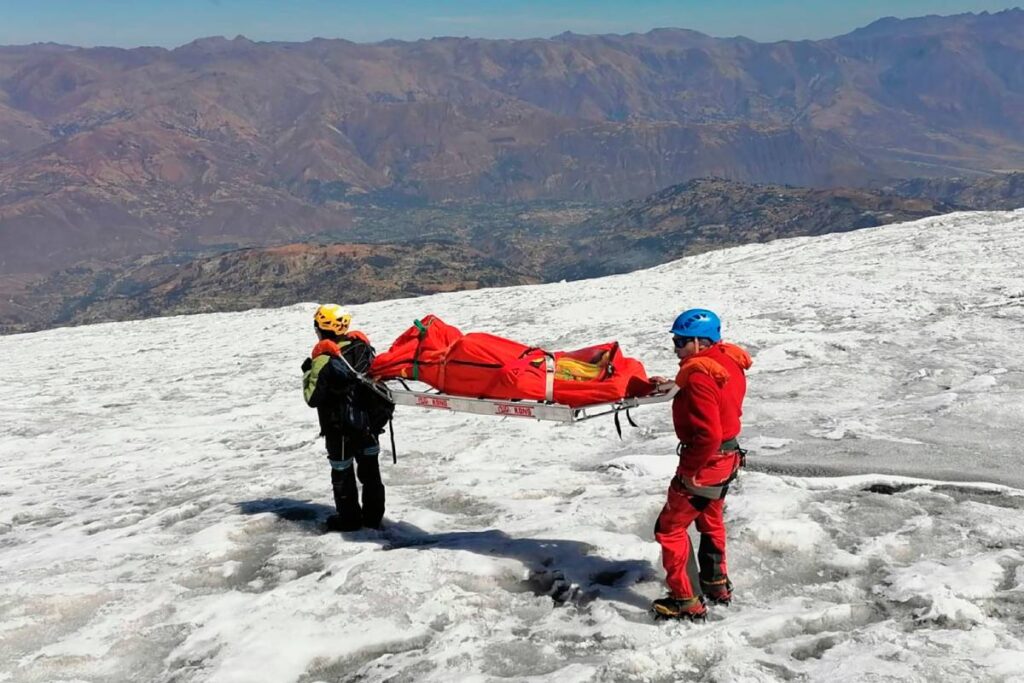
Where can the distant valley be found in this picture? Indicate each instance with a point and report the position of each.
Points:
(441, 248)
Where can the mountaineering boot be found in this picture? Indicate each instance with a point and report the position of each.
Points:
(349, 516)
(339, 523)
(680, 608)
(368, 472)
(717, 592)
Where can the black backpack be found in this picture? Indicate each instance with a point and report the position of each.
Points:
(370, 407)
(375, 400)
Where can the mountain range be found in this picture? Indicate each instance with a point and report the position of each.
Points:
(108, 153)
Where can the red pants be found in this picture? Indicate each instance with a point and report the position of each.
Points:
(682, 509)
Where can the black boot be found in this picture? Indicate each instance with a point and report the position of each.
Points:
(718, 592)
(339, 523)
(346, 500)
(368, 471)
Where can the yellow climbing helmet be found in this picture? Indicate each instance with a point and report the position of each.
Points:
(332, 318)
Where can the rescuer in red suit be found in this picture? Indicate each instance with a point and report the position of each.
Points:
(706, 414)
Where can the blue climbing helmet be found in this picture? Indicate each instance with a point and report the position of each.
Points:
(698, 322)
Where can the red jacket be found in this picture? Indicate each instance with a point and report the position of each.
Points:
(706, 411)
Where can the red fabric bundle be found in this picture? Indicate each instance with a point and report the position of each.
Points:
(481, 365)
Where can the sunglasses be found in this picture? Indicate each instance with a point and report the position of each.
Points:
(680, 342)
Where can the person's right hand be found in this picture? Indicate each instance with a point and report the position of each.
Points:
(662, 385)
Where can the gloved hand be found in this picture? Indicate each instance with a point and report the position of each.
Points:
(306, 365)
(660, 384)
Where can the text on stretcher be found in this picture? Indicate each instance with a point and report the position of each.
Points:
(431, 402)
(516, 411)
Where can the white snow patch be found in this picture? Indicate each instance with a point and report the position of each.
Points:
(160, 507)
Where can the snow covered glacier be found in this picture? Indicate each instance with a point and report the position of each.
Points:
(161, 488)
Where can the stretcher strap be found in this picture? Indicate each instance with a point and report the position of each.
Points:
(394, 452)
(419, 344)
(618, 425)
(549, 378)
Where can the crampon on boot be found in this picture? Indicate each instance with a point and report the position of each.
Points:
(717, 592)
(680, 608)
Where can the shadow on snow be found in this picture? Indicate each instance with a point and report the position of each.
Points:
(567, 571)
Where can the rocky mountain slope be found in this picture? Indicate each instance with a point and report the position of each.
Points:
(697, 216)
(109, 153)
(1000, 192)
(249, 278)
(707, 214)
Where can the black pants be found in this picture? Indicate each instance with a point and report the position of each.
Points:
(357, 458)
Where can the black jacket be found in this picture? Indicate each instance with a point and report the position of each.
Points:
(340, 398)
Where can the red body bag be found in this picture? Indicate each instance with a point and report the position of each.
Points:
(481, 365)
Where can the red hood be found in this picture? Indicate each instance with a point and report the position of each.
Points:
(703, 362)
(325, 347)
(330, 347)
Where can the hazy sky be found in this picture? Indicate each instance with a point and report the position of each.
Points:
(174, 22)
